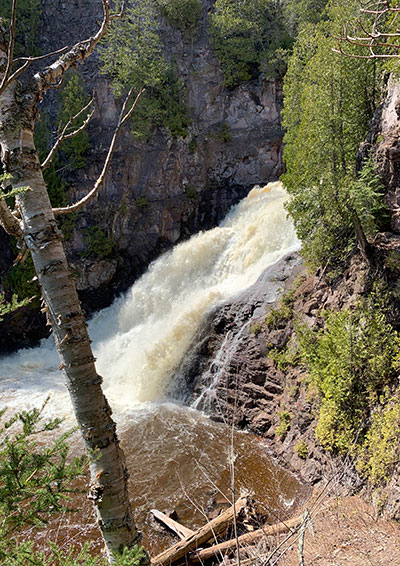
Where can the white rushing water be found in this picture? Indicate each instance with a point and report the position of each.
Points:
(140, 339)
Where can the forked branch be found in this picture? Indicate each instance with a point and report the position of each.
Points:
(123, 117)
(371, 39)
(65, 135)
(51, 75)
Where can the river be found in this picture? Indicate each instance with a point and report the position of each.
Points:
(177, 457)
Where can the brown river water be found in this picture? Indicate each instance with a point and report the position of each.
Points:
(178, 458)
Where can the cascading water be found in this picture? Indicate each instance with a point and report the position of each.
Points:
(140, 340)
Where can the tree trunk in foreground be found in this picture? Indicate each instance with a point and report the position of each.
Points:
(109, 474)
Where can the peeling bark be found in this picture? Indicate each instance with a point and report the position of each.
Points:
(108, 489)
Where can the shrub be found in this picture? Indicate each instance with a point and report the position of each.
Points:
(191, 192)
(283, 313)
(134, 55)
(301, 449)
(98, 243)
(350, 362)
(142, 202)
(380, 453)
(285, 419)
(184, 14)
(224, 133)
(247, 35)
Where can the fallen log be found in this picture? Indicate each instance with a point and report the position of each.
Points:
(202, 535)
(253, 537)
(174, 526)
(246, 539)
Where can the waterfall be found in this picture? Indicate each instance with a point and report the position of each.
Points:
(175, 454)
(139, 340)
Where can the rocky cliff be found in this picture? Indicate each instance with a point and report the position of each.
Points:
(160, 191)
(230, 371)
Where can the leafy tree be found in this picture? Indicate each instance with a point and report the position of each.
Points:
(37, 482)
(246, 36)
(350, 362)
(133, 56)
(184, 14)
(328, 103)
(300, 12)
(35, 225)
(73, 98)
(28, 24)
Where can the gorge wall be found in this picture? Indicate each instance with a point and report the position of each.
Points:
(160, 191)
(252, 390)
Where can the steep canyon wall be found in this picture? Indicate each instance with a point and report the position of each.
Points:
(160, 191)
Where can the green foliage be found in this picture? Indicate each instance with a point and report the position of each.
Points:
(277, 318)
(98, 243)
(256, 328)
(73, 98)
(134, 556)
(28, 24)
(297, 13)
(23, 553)
(15, 304)
(56, 185)
(6, 191)
(380, 453)
(328, 103)
(19, 278)
(301, 449)
(142, 202)
(224, 134)
(350, 362)
(133, 56)
(366, 197)
(289, 356)
(191, 192)
(67, 224)
(247, 35)
(392, 260)
(35, 483)
(184, 14)
(285, 419)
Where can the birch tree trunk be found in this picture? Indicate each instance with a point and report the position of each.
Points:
(109, 475)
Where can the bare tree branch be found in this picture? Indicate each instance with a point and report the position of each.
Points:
(371, 39)
(123, 117)
(8, 221)
(65, 136)
(52, 74)
(10, 50)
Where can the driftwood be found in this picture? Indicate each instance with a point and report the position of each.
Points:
(177, 528)
(202, 535)
(246, 539)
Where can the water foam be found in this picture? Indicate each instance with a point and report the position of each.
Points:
(140, 339)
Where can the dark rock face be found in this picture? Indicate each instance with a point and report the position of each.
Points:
(162, 191)
(186, 184)
(232, 379)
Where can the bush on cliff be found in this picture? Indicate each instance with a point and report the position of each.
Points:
(352, 362)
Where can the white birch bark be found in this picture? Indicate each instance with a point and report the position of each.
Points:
(108, 488)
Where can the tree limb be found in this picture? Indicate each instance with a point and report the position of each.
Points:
(123, 117)
(65, 136)
(8, 221)
(10, 50)
(369, 40)
(51, 75)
